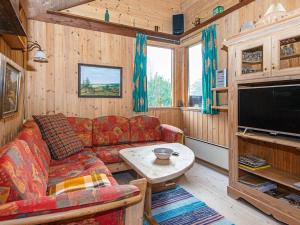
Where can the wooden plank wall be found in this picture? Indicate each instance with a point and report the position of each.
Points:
(143, 14)
(10, 126)
(52, 88)
(212, 128)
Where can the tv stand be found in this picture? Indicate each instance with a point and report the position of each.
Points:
(281, 152)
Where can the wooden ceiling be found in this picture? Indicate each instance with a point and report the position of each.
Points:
(35, 8)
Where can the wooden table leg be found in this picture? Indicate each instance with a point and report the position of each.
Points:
(148, 205)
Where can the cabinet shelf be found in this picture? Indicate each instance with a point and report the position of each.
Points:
(280, 140)
(290, 56)
(276, 175)
(252, 62)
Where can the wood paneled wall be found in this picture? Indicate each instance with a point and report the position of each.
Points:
(211, 128)
(143, 14)
(52, 88)
(10, 126)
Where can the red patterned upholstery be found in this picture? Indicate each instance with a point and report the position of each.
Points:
(110, 130)
(21, 177)
(83, 128)
(171, 134)
(69, 201)
(38, 149)
(144, 128)
(80, 164)
(33, 125)
(110, 154)
(26, 169)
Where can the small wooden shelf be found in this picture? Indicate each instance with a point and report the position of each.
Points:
(252, 62)
(275, 175)
(15, 42)
(280, 140)
(220, 89)
(220, 107)
(290, 56)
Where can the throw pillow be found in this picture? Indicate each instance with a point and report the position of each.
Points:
(59, 135)
(80, 183)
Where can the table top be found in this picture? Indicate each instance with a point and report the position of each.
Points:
(144, 162)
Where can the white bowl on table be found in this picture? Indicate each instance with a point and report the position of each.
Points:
(163, 153)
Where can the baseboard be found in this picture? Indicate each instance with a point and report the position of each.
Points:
(213, 154)
(212, 166)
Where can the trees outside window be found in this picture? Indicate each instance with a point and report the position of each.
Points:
(159, 76)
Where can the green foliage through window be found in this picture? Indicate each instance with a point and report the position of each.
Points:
(159, 76)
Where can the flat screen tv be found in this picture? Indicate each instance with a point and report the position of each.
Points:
(273, 109)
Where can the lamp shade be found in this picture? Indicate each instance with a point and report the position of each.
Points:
(40, 56)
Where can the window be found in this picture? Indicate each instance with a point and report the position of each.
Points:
(159, 76)
(195, 75)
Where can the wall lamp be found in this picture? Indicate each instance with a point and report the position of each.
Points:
(39, 55)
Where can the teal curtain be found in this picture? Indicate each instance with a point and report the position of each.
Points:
(209, 68)
(140, 98)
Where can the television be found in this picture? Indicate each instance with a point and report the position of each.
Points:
(272, 109)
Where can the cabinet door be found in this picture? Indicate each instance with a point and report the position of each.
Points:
(286, 52)
(253, 59)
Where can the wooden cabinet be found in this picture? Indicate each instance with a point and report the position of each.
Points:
(286, 52)
(253, 59)
(266, 55)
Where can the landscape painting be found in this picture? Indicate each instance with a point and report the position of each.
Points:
(99, 81)
(10, 90)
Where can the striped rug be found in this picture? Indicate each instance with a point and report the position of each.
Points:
(179, 207)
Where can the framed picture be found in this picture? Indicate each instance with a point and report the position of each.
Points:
(10, 79)
(96, 81)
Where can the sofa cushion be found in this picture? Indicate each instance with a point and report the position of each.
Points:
(33, 125)
(38, 149)
(20, 175)
(59, 135)
(110, 130)
(83, 127)
(110, 154)
(91, 181)
(144, 128)
(79, 164)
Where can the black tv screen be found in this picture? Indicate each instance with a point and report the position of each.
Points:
(274, 109)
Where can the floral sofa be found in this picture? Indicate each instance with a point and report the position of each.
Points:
(26, 170)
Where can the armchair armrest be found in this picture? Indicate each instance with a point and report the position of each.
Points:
(69, 205)
(171, 134)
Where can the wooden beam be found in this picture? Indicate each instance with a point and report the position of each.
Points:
(38, 7)
(237, 6)
(69, 19)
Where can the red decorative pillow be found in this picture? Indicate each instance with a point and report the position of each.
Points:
(59, 135)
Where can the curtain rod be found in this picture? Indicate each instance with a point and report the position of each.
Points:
(194, 35)
(166, 39)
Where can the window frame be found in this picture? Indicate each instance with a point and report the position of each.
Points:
(172, 73)
(187, 72)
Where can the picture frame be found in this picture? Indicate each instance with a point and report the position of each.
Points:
(99, 81)
(10, 81)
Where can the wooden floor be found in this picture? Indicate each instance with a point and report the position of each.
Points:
(210, 186)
